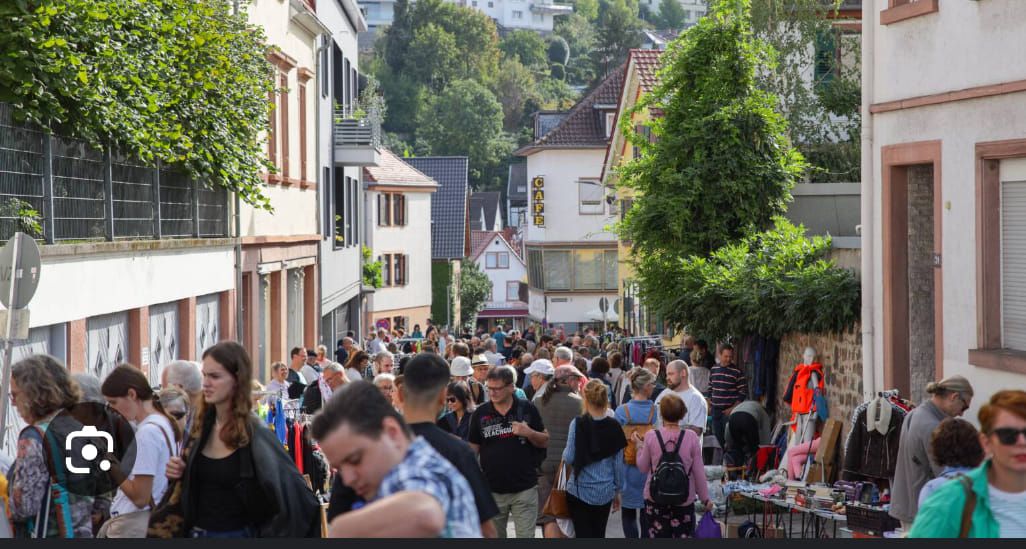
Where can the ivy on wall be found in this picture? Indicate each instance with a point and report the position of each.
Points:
(183, 82)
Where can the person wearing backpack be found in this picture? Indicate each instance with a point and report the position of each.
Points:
(672, 459)
(637, 415)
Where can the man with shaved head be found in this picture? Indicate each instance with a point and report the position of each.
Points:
(696, 413)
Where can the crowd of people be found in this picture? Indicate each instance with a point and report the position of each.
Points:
(467, 437)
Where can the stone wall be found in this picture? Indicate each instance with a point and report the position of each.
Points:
(841, 357)
(920, 278)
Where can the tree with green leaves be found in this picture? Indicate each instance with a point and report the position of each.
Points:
(559, 50)
(475, 287)
(712, 254)
(433, 58)
(618, 29)
(819, 94)
(515, 88)
(579, 34)
(671, 15)
(183, 82)
(525, 46)
(465, 119)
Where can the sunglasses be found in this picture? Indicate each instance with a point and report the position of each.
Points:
(1008, 435)
(177, 415)
(451, 399)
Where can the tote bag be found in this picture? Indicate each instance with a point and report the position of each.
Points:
(556, 505)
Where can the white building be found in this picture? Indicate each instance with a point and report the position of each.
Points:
(571, 254)
(944, 198)
(340, 165)
(536, 15)
(398, 229)
(693, 10)
(501, 261)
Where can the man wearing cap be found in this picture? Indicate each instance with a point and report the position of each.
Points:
(950, 397)
(538, 373)
(461, 370)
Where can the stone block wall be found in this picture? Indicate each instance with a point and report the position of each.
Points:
(920, 279)
(841, 357)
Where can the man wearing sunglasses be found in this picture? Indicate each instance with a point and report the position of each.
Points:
(949, 397)
(989, 501)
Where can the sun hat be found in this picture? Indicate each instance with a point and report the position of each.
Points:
(460, 367)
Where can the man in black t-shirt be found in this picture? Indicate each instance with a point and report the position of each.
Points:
(506, 431)
(297, 383)
(423, 395)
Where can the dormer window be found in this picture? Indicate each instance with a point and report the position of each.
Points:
(610, 120)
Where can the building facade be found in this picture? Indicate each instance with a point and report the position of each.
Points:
(536, 15)
(502, 262)
(944, 160)
(340, 164)
(572, 257)
(398, 228)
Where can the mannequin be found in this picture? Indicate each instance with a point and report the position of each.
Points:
(807, 377)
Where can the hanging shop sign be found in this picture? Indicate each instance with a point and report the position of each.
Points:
(538, 201)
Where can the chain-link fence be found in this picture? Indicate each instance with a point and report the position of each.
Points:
(63, 190)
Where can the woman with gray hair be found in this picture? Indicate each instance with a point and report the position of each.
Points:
(43, 393)
(637, 415)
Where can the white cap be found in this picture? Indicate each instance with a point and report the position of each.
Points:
(541, 366)
(460, 367)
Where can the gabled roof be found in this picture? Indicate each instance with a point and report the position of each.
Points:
(647, 63)
(644, 64)
(486, 205)
(545, 121)
(449, 204)
(516, 186)
(393, 171)
(480, 240)
(583, 127)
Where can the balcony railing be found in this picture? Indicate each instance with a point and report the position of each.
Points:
(80, 193)
(355, 128)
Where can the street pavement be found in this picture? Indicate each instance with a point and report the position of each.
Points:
(614, 528)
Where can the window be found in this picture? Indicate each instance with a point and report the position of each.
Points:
(283, 112)
(900, 10)
(827, 65)
(1013, 255)
(394, 269)
(475, 3)
(399, 210)
(539, 18)
(492, 5)
(592, 197)
(610, 120)
(644, 133)
(391, 210)
(535, 270)
(517, 14)
(573, 270)
(558, 270)
(625, 206)
(612, 269)
(512, 291)
(384, 210)
(497, 260)
(340, 220)
(588, 269)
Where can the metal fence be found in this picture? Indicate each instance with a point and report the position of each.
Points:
(81, 193)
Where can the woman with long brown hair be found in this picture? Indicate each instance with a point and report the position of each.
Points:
(129, 393)
(237, 480)
(357, 365)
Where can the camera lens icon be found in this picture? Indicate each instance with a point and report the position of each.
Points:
(92, 437)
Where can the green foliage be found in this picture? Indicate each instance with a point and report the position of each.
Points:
(475, 287)
(722, 166)
(557, 71)
(372, 270)
(579, 34)
(514, 87)
(433, 60)
(559, 50)
(823, 113)
(588, 9)
(671, 15)
(442, 301)
(466, 118)
(525, 46)
(184, 82)
(617, 30)
(26, 217)
(770, 283)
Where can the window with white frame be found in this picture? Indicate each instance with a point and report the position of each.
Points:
(1013, 254)
(512, 291)
(517, 14)
(610, 120)
(591, 195)
(497, 260)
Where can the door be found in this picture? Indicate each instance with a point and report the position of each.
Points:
(45, 340)
(208, 320)
(294, 304)
(163, 338)
(106, 343)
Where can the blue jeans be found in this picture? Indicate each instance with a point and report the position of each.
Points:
(243, 533)
(629, 518)
(719, 425)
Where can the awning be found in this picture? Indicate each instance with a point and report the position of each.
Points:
(502, 313)
(596, 314)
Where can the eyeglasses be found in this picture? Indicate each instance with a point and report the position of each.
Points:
(496, 389)
(1008, 435)
(451, 399)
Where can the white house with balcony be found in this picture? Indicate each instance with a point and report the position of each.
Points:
(500, 260)
(398, 228)
(571, 250)
(536, 15)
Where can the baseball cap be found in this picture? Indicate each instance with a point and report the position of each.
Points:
(460, 367)
(568, 371)
(480, 359)
(541, 366)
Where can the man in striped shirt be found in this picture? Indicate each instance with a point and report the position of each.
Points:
(727, 388)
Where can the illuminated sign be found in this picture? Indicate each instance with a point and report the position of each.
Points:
(538, 197)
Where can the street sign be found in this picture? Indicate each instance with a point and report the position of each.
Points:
(603, 304)
(26, 271)
(19, 322)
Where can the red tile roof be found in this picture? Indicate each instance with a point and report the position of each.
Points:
(647, 62)
(393, 171)
(584, 126)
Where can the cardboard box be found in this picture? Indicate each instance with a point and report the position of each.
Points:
(822, 467)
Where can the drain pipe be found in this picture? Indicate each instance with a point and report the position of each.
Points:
(239, 320)
(868, 186)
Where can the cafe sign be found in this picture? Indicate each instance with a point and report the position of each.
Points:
(538, 200)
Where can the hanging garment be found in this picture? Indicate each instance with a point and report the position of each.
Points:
(871, 450)
(803, 397)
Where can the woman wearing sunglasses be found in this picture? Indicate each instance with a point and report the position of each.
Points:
(989, 501)
(461, 407)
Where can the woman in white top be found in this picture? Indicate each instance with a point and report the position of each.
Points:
(156, 437)
(278, 387)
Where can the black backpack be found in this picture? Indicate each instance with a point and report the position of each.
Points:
(670, 483)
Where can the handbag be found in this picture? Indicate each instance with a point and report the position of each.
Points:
(555, 505)
(630, 452)
(135, 524)
(968, 508)
(167, 518)
(708, 528)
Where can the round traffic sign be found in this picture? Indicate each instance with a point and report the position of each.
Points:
(27, 271)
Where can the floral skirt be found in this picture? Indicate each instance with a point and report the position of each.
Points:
(669, 521)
